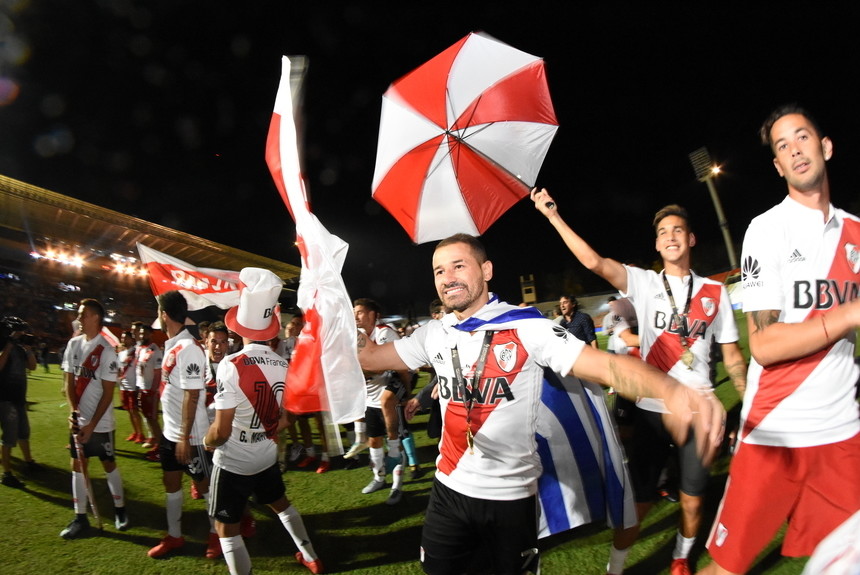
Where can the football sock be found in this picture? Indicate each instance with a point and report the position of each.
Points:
(397, 476)
(361, 431)
(174, 513)
(408, 443)
(394, 448)
(616, 560)
(236, 555)
(79, 493)
(114, 481)
(682, 546)
(296, 528)
(377, 463)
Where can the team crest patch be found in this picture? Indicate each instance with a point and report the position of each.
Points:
(852, 252)
(506, 356)
(709, 306)
(170, 360)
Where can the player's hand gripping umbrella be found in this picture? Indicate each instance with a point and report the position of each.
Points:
(462, 138)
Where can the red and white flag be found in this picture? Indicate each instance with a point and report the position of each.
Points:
(201, 287)
(324, 374)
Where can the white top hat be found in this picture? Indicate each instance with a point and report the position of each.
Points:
(258, 316)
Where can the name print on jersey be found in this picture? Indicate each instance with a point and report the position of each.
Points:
(824, 294)
(491, 391)
(696, 329)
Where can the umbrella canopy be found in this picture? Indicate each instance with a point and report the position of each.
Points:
(462, 138)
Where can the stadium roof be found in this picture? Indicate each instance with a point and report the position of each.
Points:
(30, 216)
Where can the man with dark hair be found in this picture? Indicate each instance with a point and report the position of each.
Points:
(248, 416)
(490, 359)
(680, 315)
(148, 360)
(90, 367)
(127, 358)
(183, 405)
(576, 321)
(16, 357)
(386, 390)
(798, 455)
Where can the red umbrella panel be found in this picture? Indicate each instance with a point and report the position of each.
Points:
(462, 138)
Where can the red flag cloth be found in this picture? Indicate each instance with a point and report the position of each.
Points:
(201, 287)
(326, 362)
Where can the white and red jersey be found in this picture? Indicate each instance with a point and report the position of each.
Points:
(795, 262)
(149, 358)
(710, 319)
(127, 359)
(183, 369)
(505, 464)
(251, 382)
(91, 363)
(376, 383)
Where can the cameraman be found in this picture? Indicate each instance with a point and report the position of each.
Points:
(16, 357)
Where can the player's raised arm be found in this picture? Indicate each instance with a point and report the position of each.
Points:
(607, 268)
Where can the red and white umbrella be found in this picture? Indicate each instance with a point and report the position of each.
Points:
(462, 138)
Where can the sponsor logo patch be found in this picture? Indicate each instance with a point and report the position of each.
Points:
(750, 269)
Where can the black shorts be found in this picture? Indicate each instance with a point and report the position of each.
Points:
(14, 423)
(463, 534)
(201, 464)
(229, 492)
(650, 450)
(374, 422)
(100, 444)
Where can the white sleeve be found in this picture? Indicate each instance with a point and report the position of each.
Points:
(762, 289)
(227, 379)
(412, 350)
(189, 365)
(550, 344)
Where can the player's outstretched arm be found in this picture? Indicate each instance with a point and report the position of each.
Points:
(374, 357)
(772, 341)
(607, 268)
(634, 378)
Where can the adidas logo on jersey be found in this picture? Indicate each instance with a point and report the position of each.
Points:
(796, 257)
(438, 358)
(192, 369)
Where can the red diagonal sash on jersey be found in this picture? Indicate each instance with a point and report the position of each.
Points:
(666, 349)
(255, 386)
(490, 394)
(88, 371)
(779, 381)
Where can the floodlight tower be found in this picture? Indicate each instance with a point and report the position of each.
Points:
(706, 171)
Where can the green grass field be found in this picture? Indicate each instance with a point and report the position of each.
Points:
(353, 533)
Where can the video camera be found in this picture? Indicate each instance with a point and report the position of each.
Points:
(11, 325)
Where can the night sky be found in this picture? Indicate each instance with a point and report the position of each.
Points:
(160, 110)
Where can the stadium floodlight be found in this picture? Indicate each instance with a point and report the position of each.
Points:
(706, 171)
